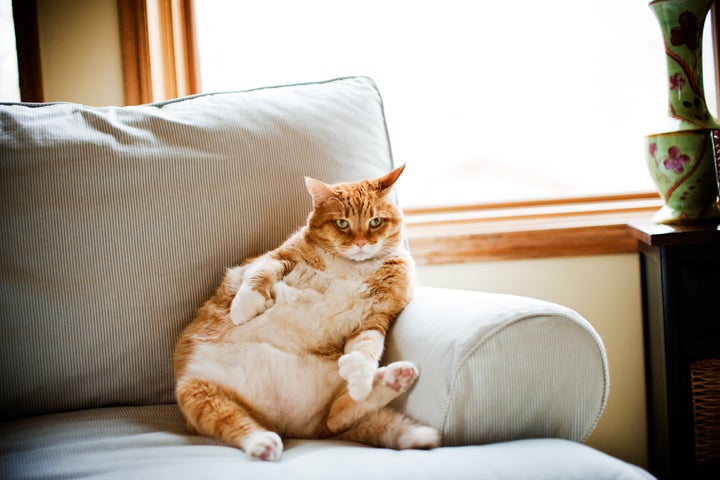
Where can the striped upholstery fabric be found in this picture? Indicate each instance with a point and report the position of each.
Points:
(500, 367)
(117, 223)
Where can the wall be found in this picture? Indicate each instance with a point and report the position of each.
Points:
(606, 291)
(80, 51)
(81, 61)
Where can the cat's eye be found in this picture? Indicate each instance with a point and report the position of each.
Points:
(376, 222)
(341, 223)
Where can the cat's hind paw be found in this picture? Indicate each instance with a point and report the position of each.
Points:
(246, 305)
(420, 437)
(263, 445)
(359, 373)
(398, 375)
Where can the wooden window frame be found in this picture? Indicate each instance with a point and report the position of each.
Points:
(159, 62)
(27, 42)
(523, 230)
(502, 231)
(528, 230)
(158, 50)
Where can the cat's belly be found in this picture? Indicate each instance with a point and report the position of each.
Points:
(284, 361)
(291, 391)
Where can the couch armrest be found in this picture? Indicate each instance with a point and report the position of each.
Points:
(499, 367)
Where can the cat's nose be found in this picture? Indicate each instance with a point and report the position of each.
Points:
(360, 243)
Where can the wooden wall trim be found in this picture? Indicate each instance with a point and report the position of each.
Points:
(27, 42)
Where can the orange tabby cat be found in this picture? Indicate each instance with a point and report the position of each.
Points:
(289, 343)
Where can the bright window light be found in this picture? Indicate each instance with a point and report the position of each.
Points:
(9, 85)
(485, 101)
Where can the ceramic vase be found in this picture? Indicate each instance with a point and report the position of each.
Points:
(681, 160)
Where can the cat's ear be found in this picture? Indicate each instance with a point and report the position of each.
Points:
(319, 191)
(385, 183)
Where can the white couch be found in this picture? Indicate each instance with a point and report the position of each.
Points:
(117, 223)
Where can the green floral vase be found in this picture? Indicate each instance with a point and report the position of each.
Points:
(681, 161)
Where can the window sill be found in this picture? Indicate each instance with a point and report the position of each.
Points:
(573, 227)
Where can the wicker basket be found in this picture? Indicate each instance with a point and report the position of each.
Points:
(705, 383)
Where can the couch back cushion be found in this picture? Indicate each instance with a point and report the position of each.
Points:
(117, 223)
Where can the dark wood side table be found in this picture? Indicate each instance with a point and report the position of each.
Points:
(681, 319)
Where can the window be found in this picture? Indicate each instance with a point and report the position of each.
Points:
(486, 102)
(9, 83)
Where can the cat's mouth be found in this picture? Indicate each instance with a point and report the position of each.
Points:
(360, 254)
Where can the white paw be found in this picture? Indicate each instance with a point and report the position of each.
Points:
(420, 437)
(398, 375)
(263, 445)
(359, 373)
(246, 305)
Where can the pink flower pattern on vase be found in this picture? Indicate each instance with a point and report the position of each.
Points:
(675, 159)
(677, 82)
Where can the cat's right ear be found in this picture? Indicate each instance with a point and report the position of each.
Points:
(320, 192)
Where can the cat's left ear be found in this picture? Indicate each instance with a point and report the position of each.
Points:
(319, 191)
(385, 183)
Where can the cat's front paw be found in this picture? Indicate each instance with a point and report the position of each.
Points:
(263, 445)
(359, 372)
(246, 305)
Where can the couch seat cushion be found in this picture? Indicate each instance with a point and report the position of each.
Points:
(151, 442)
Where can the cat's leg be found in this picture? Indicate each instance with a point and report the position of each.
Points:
(390, 429)
(389, 382)
(212, 410)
